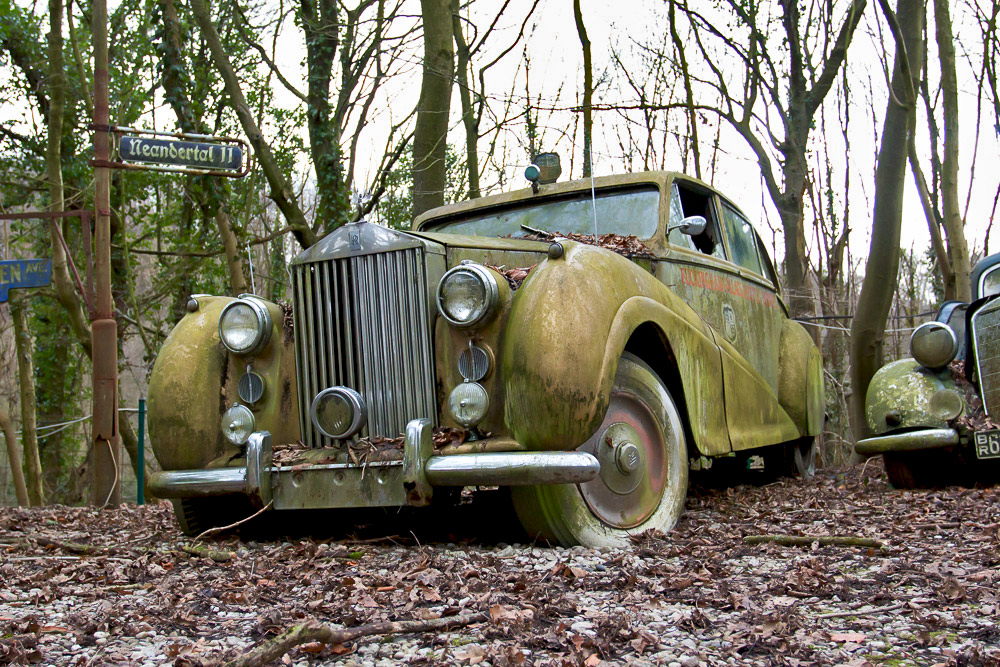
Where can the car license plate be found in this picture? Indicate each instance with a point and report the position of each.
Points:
(987, 444)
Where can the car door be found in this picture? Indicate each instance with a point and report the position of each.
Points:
(693, 268)
(753, 317)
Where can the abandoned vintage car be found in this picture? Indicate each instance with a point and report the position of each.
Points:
(495, 345)
(932, 415)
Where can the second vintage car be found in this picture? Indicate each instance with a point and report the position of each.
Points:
(931, 415)
(496, 344)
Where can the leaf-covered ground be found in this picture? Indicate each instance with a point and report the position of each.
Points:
(699, 595)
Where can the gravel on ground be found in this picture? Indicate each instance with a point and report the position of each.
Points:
(699, 595)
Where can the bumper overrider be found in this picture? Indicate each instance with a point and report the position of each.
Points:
(410, 481)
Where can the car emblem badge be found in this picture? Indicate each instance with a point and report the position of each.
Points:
(355, 240)
(729, 319)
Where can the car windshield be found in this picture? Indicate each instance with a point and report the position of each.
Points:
(990, 282)
(629, 213)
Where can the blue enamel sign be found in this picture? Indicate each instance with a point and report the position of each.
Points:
(18, 273)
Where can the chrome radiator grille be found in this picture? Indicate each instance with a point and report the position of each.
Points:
(362, 322)
(986, 332)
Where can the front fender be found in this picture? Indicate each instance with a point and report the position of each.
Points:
(194, 381)
(905, 389)
(569, 324)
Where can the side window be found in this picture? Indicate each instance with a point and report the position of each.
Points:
(686, 202)
(742, 240)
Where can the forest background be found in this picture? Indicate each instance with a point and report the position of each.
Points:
(846, 149)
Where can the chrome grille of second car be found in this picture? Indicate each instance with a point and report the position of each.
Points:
(362, 322)
(986, 331)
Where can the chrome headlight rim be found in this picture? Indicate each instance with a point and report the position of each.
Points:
(491, 291)
(359, 411)
(947, 353)
(264, 325)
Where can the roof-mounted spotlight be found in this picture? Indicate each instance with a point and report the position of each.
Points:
(544, 169)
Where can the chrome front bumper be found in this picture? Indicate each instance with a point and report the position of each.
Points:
(384, 484)
(908, 441)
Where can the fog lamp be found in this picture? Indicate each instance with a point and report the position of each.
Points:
(467, 295)
(468, 403)
(238, 424)
(245, 326)
(947, 404)
(339, 412)
(933, 344)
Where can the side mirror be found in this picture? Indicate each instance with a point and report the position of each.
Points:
(690, 226)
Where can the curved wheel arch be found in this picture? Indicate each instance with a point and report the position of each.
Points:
(567, 514)
(650, 345)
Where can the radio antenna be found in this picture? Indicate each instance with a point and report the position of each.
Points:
(593, 195)
(253, 288)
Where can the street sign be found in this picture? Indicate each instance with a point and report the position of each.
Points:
(197, 155)
(18, 273)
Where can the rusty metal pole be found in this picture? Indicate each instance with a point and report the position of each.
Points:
(105, 487)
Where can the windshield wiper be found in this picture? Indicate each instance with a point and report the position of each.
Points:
(539, 232)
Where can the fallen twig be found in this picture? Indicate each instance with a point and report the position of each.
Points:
(215, 554)
(219, 529)
(869, 612)
(72, 547)
(314, 631)
(824, 541)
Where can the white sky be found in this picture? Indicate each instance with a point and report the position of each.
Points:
(556, 75)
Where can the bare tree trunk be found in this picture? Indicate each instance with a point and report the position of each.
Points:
(692, 115)
(321, 26)
(26, 382)
(958, 248)
(281, 190)
(13, 456)
(882, 267)
(588, 91)
(430, 137)
(210, 199)
(465, 95)
(933, 222)
(56, 84)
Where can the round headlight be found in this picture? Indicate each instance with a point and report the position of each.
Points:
(933, 344)
(245, 326)
(339, 412)
(467, 295)
(238, 424)
(468, 403)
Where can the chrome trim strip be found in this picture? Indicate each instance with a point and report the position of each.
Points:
(512, 469)
(986, 348)
(908, 441)
(197, 483)
(337, 466)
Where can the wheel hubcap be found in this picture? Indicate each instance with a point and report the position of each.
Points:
(630, 447)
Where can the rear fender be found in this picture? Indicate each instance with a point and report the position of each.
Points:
(800, 379)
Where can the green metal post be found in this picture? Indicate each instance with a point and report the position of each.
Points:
(140, 472)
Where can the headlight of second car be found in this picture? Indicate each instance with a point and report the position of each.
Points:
(933, 344)
(245, 326)
(467, 295)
